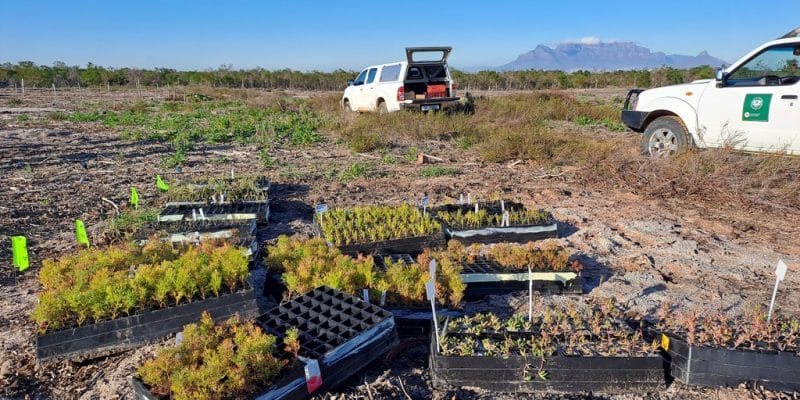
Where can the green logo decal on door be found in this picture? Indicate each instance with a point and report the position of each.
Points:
(756, 107)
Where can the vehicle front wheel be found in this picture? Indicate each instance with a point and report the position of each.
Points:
(665, 137)
(346, 106)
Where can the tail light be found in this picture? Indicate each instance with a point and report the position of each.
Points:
(401, 93)
(453, 89)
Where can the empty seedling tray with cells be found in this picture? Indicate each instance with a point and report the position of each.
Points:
(379, 229)
(341, 332)
(241, 211)
(495, 222)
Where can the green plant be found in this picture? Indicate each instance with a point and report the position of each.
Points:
(466, 217)
(432, 171)
(115, 281)
(130, 221)
(229, 360)
(355, 170)
(374, 223)
(309, 263)
(546, 255)
(239, 188)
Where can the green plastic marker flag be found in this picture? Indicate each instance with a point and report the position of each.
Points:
(160, 183)
(19, 247)
(134, 198)
(80, 233)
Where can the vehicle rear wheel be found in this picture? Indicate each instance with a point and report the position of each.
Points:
(665, 137)
(382, 109)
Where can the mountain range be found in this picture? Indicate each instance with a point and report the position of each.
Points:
(604, 56)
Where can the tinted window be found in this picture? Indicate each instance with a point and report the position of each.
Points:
(390, 73)
(435, 71)
(360, 79)
(371, 75)
(414, 73)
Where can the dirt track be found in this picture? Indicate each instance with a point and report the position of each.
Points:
(642, 251)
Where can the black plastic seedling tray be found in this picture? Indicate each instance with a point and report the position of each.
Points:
(485, 278)
(242, 211)
(495, 234)
(714, 366)
(262, 183)
(244, 227)
(564, 373)
(413, 245)
(143, 327)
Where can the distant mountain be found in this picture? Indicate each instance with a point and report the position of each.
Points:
(604, 56)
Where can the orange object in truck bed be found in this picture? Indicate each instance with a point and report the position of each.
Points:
(437, 90)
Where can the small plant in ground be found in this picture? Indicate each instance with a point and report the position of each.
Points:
(131, 221)
(230, 360)
(355, 170)
(99, 284)
(375, 223)
(489, 215)
(433, 171)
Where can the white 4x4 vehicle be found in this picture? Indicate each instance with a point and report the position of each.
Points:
(422, 82)
(752, 105)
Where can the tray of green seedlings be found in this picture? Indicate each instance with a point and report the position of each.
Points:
(580, 347)
(495, 222)
(503, 267)
(220, 190)
(714, 349)
(379, 229)
(233, 359)
(304, 264)
(108, 299)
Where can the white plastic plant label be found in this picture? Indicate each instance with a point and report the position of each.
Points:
(178, 338)
(476, 208)
(202, 214)
(780, 271)
(425, 201)
(194, 215)
(383, 298)
(366, 295)
(432, 268)
(313, 376)
(461, 199)
(430, 290)
(502, 206)
(321, 208)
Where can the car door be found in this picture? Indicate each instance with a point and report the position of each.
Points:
(755, 106)
(356, 95)
(370, 92)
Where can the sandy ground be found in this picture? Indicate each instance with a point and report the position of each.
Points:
(640, 250)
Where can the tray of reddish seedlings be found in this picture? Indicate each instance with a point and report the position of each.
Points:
(502, 268)
(495, 222)
(583, 347)
(338, 333)
(715, 350)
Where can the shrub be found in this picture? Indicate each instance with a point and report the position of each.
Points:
(229, 360)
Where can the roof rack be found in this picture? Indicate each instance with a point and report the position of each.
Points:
(793, 34)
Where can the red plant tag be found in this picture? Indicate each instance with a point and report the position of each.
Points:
(313, 376)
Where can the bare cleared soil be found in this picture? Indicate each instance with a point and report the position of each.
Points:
(640, 250)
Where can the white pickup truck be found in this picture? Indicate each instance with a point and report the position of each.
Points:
(752, 105)
(422, 82)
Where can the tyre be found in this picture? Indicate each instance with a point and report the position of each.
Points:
(382, 109)
(665, 137)
(346, 106)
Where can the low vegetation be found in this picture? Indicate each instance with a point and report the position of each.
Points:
(236, 189)
(375, 223)
(131, 221)
(310, 263)
(230, 360)
(545, 255)
(465, 217)
(98, 284)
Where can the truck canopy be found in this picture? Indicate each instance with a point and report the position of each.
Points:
(427, 54)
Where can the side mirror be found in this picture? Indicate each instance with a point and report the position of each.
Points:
(721, 75)
(350, 82)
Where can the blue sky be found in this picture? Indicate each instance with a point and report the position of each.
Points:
(325, 35)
